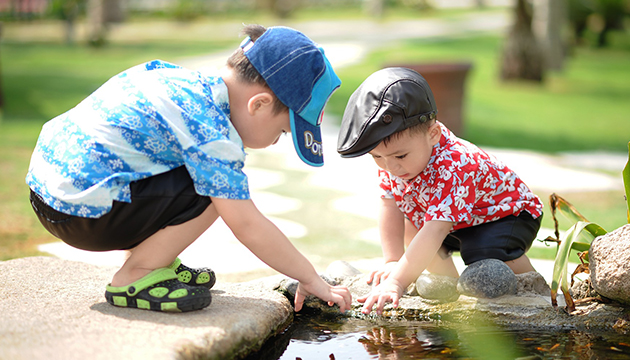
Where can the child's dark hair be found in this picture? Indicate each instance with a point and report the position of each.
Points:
(244, 69)
(415, 129)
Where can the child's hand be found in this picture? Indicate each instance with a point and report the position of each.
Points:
(339, 295)
(388, 291)
(378, 276)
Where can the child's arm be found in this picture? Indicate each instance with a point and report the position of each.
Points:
(418, 256)
(269, 244)
(391, 229)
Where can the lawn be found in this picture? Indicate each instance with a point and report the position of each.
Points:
(584, 107)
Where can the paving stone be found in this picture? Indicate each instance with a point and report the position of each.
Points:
(56, 309)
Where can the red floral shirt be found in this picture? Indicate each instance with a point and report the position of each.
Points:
(461, 184)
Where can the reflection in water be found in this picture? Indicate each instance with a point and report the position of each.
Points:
(340, 338)
(405, 343)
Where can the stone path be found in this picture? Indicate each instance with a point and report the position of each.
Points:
(55, 309)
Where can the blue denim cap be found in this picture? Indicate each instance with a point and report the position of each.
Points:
(299, 74)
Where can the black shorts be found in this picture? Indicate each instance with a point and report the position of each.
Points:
(505, 239)
(156, 202)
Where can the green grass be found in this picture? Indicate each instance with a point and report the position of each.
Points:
(42, 80)
(20, 231)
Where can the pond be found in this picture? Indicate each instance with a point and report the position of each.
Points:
(312, 337)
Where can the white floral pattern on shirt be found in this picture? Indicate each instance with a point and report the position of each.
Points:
(147, 120)
(461, 184)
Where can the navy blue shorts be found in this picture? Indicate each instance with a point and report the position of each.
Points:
(157, 202)
(505, 239)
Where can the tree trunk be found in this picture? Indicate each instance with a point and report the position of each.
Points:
(100, 14)
(70, 15)
(522, 58)
(97, 28)
(1, 93)
(549, 22)
(374, 8)
(280, 8)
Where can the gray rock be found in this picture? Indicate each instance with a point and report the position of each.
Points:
(583, 290)
(532, 283)
(488, 278)
(527, 309)
(437, 287)
(609, 264)
(56, 309)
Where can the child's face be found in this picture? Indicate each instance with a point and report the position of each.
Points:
(407, 155)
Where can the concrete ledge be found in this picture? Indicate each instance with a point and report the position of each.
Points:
(56, 309)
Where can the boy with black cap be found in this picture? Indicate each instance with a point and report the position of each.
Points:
(441, 193)
(154, 156)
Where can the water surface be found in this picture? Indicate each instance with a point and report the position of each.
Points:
(376, 338)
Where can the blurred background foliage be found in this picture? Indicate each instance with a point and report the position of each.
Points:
(53, 53)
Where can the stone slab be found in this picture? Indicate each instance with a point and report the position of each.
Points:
(56, 309)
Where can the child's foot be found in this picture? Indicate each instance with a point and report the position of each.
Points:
(195, 277)
(160, 290)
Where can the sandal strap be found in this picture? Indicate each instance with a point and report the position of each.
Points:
(175, 264)
(154, 277)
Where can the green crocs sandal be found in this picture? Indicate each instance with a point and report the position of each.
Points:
(194, 277)
(160, 290)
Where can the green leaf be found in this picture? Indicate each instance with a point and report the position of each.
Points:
(579, 238)
(568, 210)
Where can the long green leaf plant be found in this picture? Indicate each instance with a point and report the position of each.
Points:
(578, 238)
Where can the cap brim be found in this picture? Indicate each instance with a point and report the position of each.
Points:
(307, 139)
(356, 153)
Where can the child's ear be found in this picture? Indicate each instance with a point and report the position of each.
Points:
(259, 102)
(435, 133)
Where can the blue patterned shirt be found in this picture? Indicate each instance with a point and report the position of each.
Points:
(145, 121)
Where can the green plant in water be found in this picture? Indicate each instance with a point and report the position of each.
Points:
(578, 238)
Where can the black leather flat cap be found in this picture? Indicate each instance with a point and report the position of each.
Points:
(388, 101)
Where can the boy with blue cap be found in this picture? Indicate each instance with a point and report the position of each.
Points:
(155, 155)
(440, 193)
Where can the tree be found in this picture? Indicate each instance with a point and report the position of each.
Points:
(1, 93)
(100, 14)
(608, 15)
(281, 8)
(612, 12)
(68, 11)
(579, 11)
(374, 8)
(549, 21)
(522, 56)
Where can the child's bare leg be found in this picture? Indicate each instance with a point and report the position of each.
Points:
(161, 249)
(442, 264)
(520, 265)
